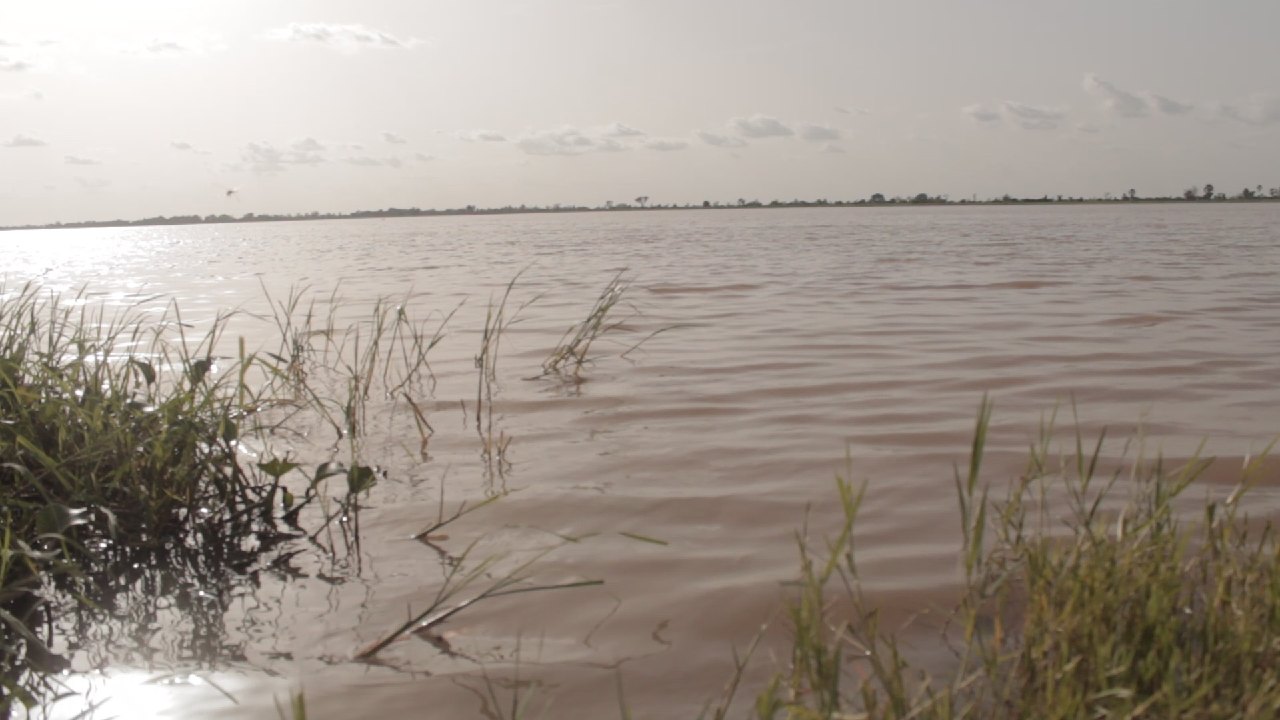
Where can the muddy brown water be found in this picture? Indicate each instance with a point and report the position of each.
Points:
(794, 339)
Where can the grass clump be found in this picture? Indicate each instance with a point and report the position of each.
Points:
(1077, 603)
(137, 471)
(573, 349)
(116, 448)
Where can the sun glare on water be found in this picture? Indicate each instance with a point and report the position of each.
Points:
(130, 694)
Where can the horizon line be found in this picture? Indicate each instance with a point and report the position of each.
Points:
(642, 204)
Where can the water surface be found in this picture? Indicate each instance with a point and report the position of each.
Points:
(791, 339)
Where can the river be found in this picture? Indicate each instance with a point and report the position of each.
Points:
(765, 351)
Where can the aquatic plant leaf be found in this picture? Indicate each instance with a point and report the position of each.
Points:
(643, 538)
(148, 371)
(111, 520)
(10, 371)
(18, 692)
(328, 470)
(17, 626)
(21, 470)
(360, 478)
(199, 369)
(56, 518)
(276, 467)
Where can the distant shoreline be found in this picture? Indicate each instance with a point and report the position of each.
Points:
(625, 207)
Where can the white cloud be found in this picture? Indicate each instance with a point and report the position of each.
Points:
(423, 157)
(981, 113)
(482, 136)
(832, 149)
(618, 130)
(174, 46)
(167, 47)
(266, 158)
(761, 126)
(1129, 104)
(718, 140)
(1033, 117)
(1088, 128)
(183, 146)
(73, 160)
(184, 46)
(1169, 107)
(21, 140)
(567, 140)
(11, 63)
(15, 97)
(818, 133)
(33, 56)
(1115, 100)
(851, 111)
(347, 38)
(367, 161)
(1261, 108)
(8, 64)
(393, 138)
(665, 145)
(92, 183)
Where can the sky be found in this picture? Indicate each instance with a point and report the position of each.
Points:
(139, 108)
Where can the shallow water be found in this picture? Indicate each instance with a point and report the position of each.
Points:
(790, 337)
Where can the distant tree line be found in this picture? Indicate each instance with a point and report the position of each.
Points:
(1195, 193)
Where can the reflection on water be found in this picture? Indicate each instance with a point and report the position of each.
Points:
(795, 334)
(137, 694)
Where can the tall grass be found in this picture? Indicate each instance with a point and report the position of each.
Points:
(1078, 602)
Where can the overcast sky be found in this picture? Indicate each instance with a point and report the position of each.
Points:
(137, 108)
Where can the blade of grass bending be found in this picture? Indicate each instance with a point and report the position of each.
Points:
(647, 338)
(623, 710)
(462, 510)
(643, 538)
(426, 620)
(297, 707)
